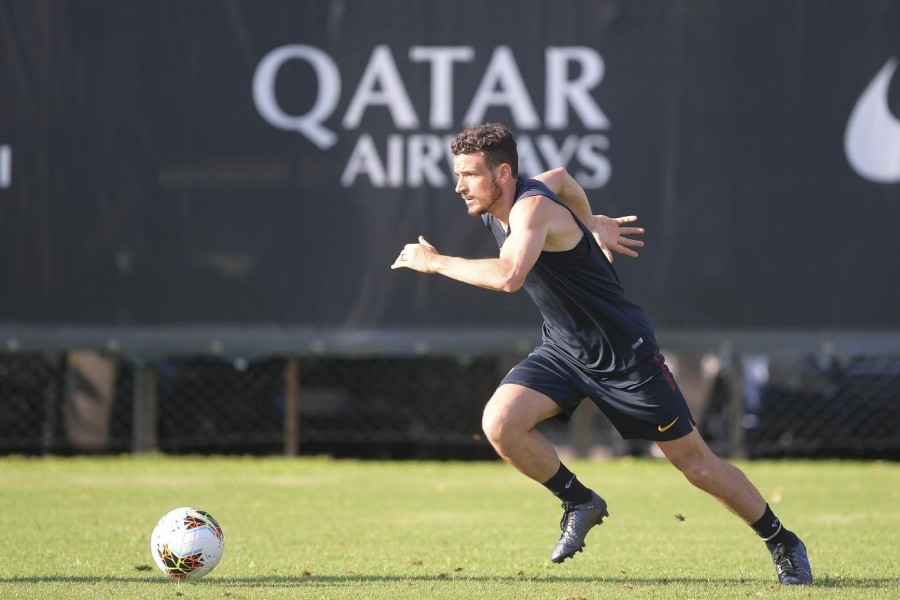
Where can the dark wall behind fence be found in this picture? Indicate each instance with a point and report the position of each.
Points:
(252, 163)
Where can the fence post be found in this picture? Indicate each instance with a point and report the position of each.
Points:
(291, 407)
(583, 430)
(146, 403)
(737, 446)
(51, 404)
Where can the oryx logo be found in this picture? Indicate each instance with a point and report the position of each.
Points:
(872, 139)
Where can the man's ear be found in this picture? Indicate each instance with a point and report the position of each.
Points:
(504, 171)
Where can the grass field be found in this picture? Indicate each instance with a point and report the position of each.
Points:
(320, 528)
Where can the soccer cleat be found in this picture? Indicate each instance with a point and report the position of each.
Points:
(576, 521)
(792, 564)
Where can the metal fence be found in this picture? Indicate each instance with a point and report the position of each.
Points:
(821, 405)
(90, 402)
(417, 407)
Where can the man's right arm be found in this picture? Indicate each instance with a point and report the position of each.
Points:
(530, 221)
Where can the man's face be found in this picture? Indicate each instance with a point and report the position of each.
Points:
(477, 184)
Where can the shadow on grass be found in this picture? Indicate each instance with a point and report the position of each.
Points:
(355, 579)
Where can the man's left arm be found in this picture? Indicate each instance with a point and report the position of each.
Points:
(610, 232)
(569, 191)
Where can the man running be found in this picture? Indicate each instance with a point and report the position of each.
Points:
(596, 343)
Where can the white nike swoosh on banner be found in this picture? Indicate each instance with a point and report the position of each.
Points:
(872, 138)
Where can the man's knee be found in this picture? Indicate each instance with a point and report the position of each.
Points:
(694, 459)
(698, 471)
(491, 423)
(513, 410)
(497, 421)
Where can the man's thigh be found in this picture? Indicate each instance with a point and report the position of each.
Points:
(550, 377)
(523, 407)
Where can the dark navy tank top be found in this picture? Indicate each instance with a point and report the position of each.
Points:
(588, 321)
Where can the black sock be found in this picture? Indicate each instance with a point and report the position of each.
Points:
(771, 531)
(567, 488)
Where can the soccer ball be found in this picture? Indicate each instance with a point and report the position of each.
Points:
(187, 543)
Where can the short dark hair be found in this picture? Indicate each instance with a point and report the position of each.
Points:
(495, 140)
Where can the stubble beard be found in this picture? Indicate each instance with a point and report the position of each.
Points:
(493, 199)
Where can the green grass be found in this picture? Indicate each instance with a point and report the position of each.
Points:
(319, 528)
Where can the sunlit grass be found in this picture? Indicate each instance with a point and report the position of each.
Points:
(319, 528)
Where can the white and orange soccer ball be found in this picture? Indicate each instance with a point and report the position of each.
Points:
(187, 543)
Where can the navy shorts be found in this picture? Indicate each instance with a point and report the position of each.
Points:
(643, 404)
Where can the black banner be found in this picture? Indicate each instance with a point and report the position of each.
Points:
(247, 163)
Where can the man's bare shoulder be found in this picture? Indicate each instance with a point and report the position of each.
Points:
(542, 212)
(546, 207)
(538, 203)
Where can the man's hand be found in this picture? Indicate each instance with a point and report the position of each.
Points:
(417, 257)
(610, 234)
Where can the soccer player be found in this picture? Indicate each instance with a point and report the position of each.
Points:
(596, 343)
